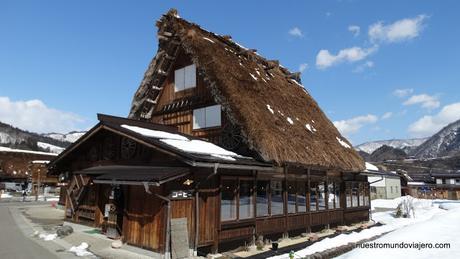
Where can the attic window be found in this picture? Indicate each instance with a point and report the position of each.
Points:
(185, 78)
(207, 117)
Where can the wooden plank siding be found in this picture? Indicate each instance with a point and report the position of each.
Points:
(179, 112)
(144, 219)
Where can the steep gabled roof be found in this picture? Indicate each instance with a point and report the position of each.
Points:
(278, 117)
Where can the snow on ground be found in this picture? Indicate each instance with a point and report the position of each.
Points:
(81, 250)
(50, 148)
(432, 219)
(436, 225)
(47, 237)
(6, 195)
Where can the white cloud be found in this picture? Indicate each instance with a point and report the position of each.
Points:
(428, 125)
(325, 59)
(364, 66)
(403, 92)
(354, 29)
(401, 30)
(303, 67)
(387, 115)
(427, 101)
(353, 125)
(34, 115)
(296, 32)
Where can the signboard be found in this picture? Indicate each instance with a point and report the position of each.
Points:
(180, 194)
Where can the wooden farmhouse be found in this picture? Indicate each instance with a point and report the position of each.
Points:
(221, 146)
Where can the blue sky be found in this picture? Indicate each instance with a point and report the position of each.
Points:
(379, 69)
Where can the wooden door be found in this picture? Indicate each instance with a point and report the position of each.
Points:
(185, 209)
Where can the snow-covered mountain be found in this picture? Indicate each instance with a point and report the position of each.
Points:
(405, 144)
(15, 138)
(69, 137)
(444, 143)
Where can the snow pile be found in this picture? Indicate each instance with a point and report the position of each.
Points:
(6, 195)
(183, 143)
(47, 237)
(81, 250)
(428, 215)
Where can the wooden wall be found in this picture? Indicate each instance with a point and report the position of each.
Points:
(144, 219)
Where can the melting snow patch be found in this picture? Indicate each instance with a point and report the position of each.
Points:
(224, 157)
(270, 109)
(241, 64)
(208, 39)
(253, 76)
(257, 71)
(282, 114)
(199, 147)
(81, 250)
(263, 79)
(343, 143)
(290, 120)
(154, 133)
(308, 126)
(48, 237)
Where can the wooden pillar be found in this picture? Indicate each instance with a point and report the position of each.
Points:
(285, 207)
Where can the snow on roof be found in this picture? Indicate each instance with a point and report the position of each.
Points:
(416, 183)
(183, 143)
(40, 162)
(343, 143)
(253, 76)
(270, 109)
(154, 133)
(371, 167)
(208, 39)
(290, 120)
(7, 149)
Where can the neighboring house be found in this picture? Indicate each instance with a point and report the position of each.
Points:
(383, 185)
(222, 144)
(16, 164)
(437, 184)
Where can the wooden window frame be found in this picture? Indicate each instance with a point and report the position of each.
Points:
(237, 198)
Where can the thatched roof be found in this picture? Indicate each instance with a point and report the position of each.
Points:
(278, 118)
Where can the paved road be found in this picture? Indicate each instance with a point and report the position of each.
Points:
(13, 242)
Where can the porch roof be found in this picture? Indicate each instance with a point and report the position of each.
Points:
(135, 175)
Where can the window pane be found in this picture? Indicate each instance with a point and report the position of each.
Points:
(291, 190)
(199, 118)
(179, 79)
(366, 195)
(330, 196)
(262, 198)
(321, 196)
(301, 198)
(348, 194)
(354, 195)
(213, 114)
(361, 194)
(277, 205)
(337, 195)
(313, 198)
(246, 202)
(228, 200)
(190, 76)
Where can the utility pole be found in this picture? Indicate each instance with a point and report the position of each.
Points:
(38, 184)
